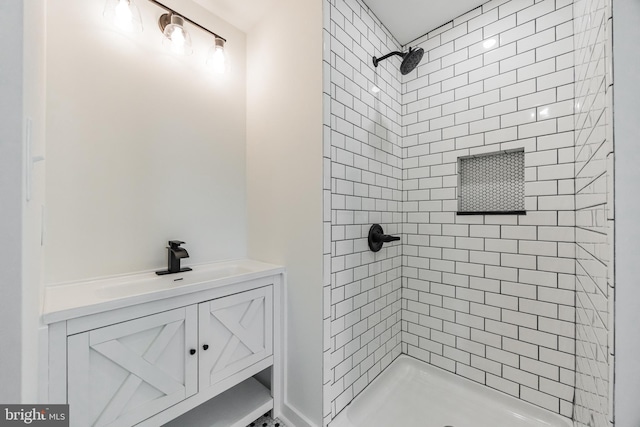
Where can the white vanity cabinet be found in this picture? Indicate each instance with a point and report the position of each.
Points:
(191, 356)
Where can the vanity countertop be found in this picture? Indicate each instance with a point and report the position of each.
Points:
(66, 301)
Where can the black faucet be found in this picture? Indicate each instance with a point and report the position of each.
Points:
(174, 256)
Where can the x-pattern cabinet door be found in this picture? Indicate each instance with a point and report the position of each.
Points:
(122, 374)
(237, 332)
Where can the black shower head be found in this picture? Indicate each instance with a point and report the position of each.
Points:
(410, 59)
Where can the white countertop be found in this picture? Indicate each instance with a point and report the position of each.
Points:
(62, 302)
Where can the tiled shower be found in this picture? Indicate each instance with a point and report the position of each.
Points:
(519, 303)
(363, 185)
(594, 213)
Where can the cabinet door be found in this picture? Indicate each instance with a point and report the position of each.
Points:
(121, 374)
(238, 332)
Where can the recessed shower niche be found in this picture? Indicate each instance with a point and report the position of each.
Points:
(491, 183)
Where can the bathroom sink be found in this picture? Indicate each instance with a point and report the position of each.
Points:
(74, 299)
(145, 285)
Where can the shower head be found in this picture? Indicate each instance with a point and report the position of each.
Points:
(410, 59)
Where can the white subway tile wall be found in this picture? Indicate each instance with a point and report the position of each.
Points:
(363, 186)
(594, 214)
(491, 297)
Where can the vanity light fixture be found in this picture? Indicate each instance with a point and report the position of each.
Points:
(124, 15)
(176, 38)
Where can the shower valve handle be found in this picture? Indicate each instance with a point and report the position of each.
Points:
(377, 238)
(385, 238)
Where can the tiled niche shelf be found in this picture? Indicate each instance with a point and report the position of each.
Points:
(491, 184)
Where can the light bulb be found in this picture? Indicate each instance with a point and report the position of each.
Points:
(124, 15)
(217, 58)
(177, 41)
(375, 89)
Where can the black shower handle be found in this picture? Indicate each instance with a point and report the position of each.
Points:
(385, 238)
(377, 238)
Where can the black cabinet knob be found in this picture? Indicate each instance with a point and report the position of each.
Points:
(192, 351)
(205, 347)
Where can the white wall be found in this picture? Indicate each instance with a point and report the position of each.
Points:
(11, 92)
(626, 33)
(142, 146)
(284, 183)
(32, 263)
(22, 88)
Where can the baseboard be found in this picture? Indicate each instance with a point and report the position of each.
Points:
(292, 417)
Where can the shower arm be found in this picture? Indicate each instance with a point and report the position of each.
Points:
(377, 60)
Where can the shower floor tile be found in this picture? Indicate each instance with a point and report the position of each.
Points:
(267, 421)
